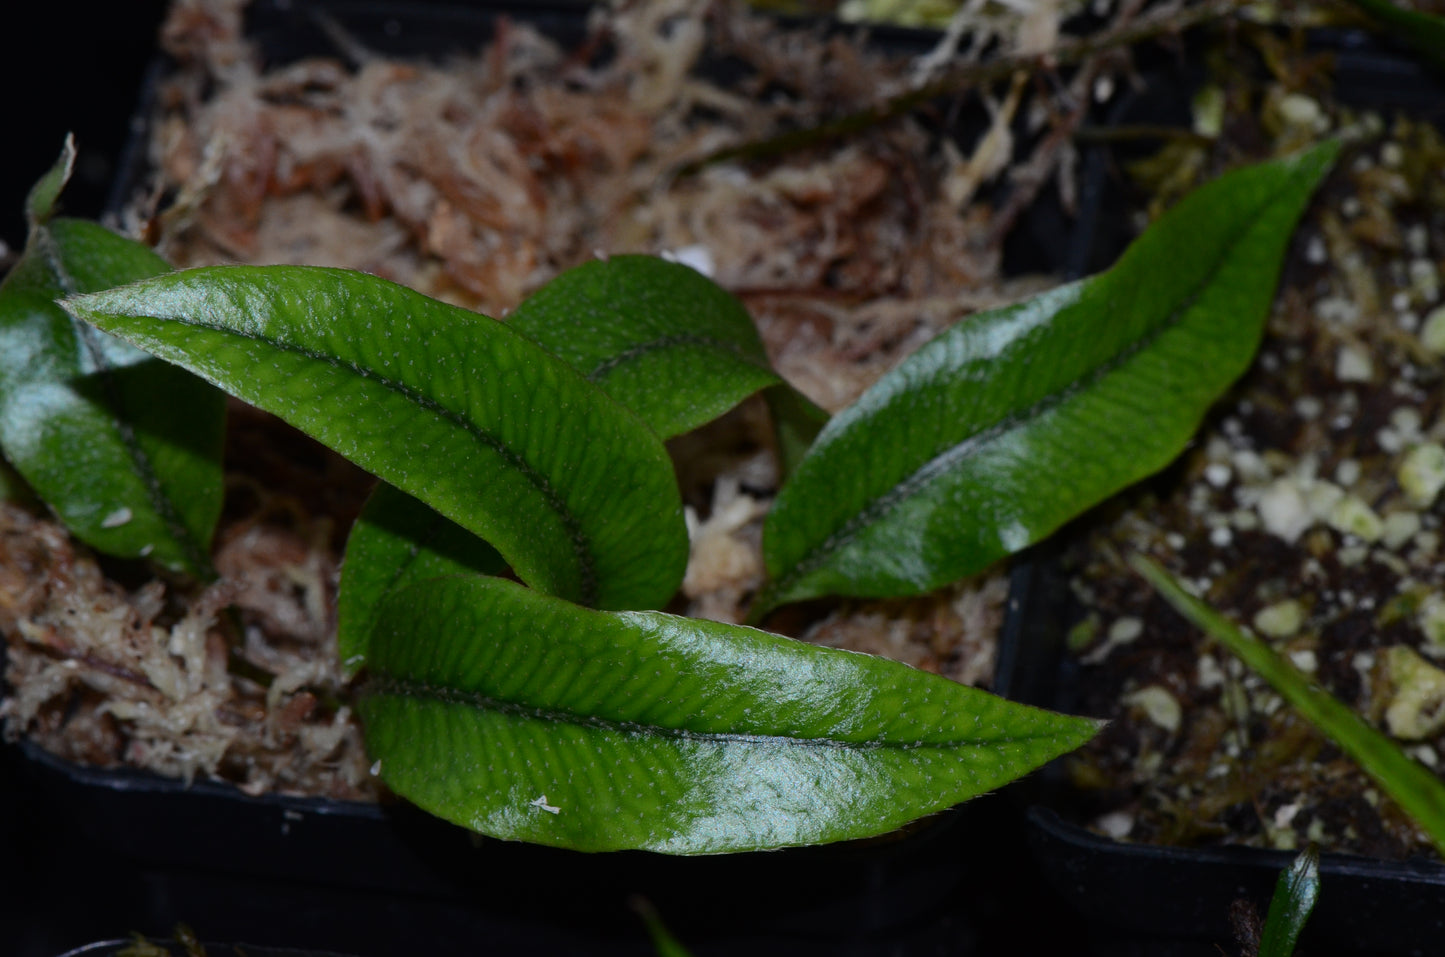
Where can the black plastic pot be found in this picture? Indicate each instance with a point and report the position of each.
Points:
(203, 845)
(1172, 901)
(1148, 899)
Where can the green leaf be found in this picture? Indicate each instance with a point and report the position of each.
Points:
(525, 717)
(1294, 898)
(1422, 31)
(1417, 790)
(1014, 421)
(397, 541)
(124, 449)
(454, 408)
(657, 336)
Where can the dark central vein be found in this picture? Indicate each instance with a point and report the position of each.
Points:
(144, 469)
(875, 509)
(608, 365)
(389, 685)
(380, 685)
(586, 570)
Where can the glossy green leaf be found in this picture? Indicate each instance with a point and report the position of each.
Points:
(525, 717)
(1014, 421)
(1416, 789)
(1294, 898)
(1424, 32)
(124, 449)
(397, 541)
(657, 336)
(454, 408)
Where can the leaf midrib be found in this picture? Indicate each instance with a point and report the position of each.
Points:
(381, 685)
(160, 502)
(588, 589)
(612, 363)
(877, 507)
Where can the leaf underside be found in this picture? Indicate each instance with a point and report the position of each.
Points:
(124, 449)
(1012, 422)
(451, 407)
(525, 717)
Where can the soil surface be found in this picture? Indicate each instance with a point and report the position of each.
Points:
(1308, 510)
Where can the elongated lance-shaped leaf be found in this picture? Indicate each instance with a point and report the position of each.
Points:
(454, 408)
(525, 717)
(1416, 789)
(1014, 421)
(659, 337)
(124, 449)
(1294, 898)
(397, 541)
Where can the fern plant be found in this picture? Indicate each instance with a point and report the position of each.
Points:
(562, 707)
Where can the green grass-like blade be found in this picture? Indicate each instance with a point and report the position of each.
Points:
(124, 449)
(525, 717)
(1014, 421)
(1419, 792)
(1294, 898)
(454, 408)
(664, 944)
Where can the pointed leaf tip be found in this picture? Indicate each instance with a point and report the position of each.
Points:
(1295, 894)
(40, 203)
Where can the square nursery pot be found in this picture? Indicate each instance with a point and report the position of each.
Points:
(120, 850)
(1139, 897)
